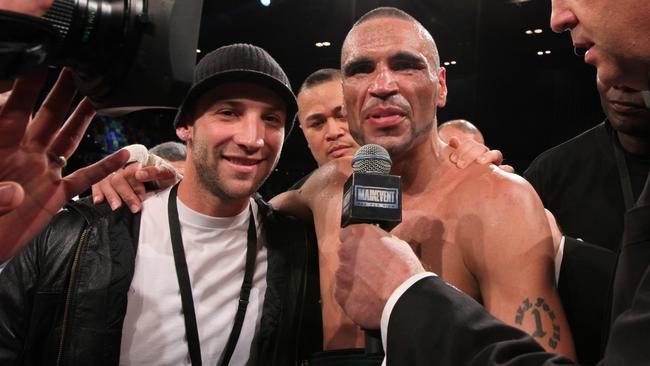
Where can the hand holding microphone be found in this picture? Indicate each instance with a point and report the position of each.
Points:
(373, 264)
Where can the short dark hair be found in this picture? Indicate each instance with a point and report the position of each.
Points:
(461, 125)
(465, 127)
(391, 12)
(385, 12)
(320, 76)
(170, 151)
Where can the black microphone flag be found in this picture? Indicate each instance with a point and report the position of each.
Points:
(371, 195)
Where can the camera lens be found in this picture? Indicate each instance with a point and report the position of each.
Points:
(126, 55)
(98, 39)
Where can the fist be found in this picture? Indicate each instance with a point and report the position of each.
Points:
(372, 265)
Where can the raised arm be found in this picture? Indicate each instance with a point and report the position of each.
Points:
(128, 184)
(322, 186)
(34, 152)
(293, 203)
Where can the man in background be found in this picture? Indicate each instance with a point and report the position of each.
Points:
(321, 119)
(320, 113)
(173, 152)
(588, 183)
(460, 129)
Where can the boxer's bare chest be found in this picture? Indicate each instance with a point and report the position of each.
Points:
(430, 225)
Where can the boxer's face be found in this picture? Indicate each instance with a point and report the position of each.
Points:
(391, 84)
(322, 121)
(616, 34)
(236, 138)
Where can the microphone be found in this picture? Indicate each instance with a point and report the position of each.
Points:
(372, 196)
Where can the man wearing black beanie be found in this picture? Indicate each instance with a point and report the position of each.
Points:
(200, 275)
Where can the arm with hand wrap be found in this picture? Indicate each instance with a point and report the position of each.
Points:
(128, 184)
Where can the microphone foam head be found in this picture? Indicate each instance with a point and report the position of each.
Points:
(371, 158)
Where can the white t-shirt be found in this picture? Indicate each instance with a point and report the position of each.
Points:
(215, 250)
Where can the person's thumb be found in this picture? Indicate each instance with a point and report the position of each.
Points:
(11, 196)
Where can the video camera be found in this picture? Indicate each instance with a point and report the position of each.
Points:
(126, 55)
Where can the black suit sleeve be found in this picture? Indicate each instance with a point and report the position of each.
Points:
(586, 275)
(586, 262)
(628, 340)
(434, 324)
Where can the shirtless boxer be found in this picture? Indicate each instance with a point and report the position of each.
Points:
(481, 229)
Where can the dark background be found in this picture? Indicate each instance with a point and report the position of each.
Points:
(522, 102)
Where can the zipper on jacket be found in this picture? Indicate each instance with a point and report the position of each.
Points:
(69, 293)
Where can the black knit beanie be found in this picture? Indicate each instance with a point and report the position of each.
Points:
(239, 63)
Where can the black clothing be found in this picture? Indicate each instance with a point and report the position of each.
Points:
(634, 257)
(433, 323)
(63, 298)
(580, 182)
(585, 290)
(314, 317)
(638, 167)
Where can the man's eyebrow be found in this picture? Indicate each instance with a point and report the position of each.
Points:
(315, 117)
(275, 109)
(220, 102)
(407, 56)
(267, 107)
(227, 101)
(356, 62)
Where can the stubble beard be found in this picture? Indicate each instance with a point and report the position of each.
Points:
(209, 177)
(413, 138)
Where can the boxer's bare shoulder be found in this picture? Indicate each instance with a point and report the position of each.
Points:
(506, 244)
(502, 214)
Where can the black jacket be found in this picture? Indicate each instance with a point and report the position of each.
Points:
(63, 298)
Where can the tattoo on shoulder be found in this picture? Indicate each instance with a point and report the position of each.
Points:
(539, 316)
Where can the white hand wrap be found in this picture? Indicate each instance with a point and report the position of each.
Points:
(140, 154)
